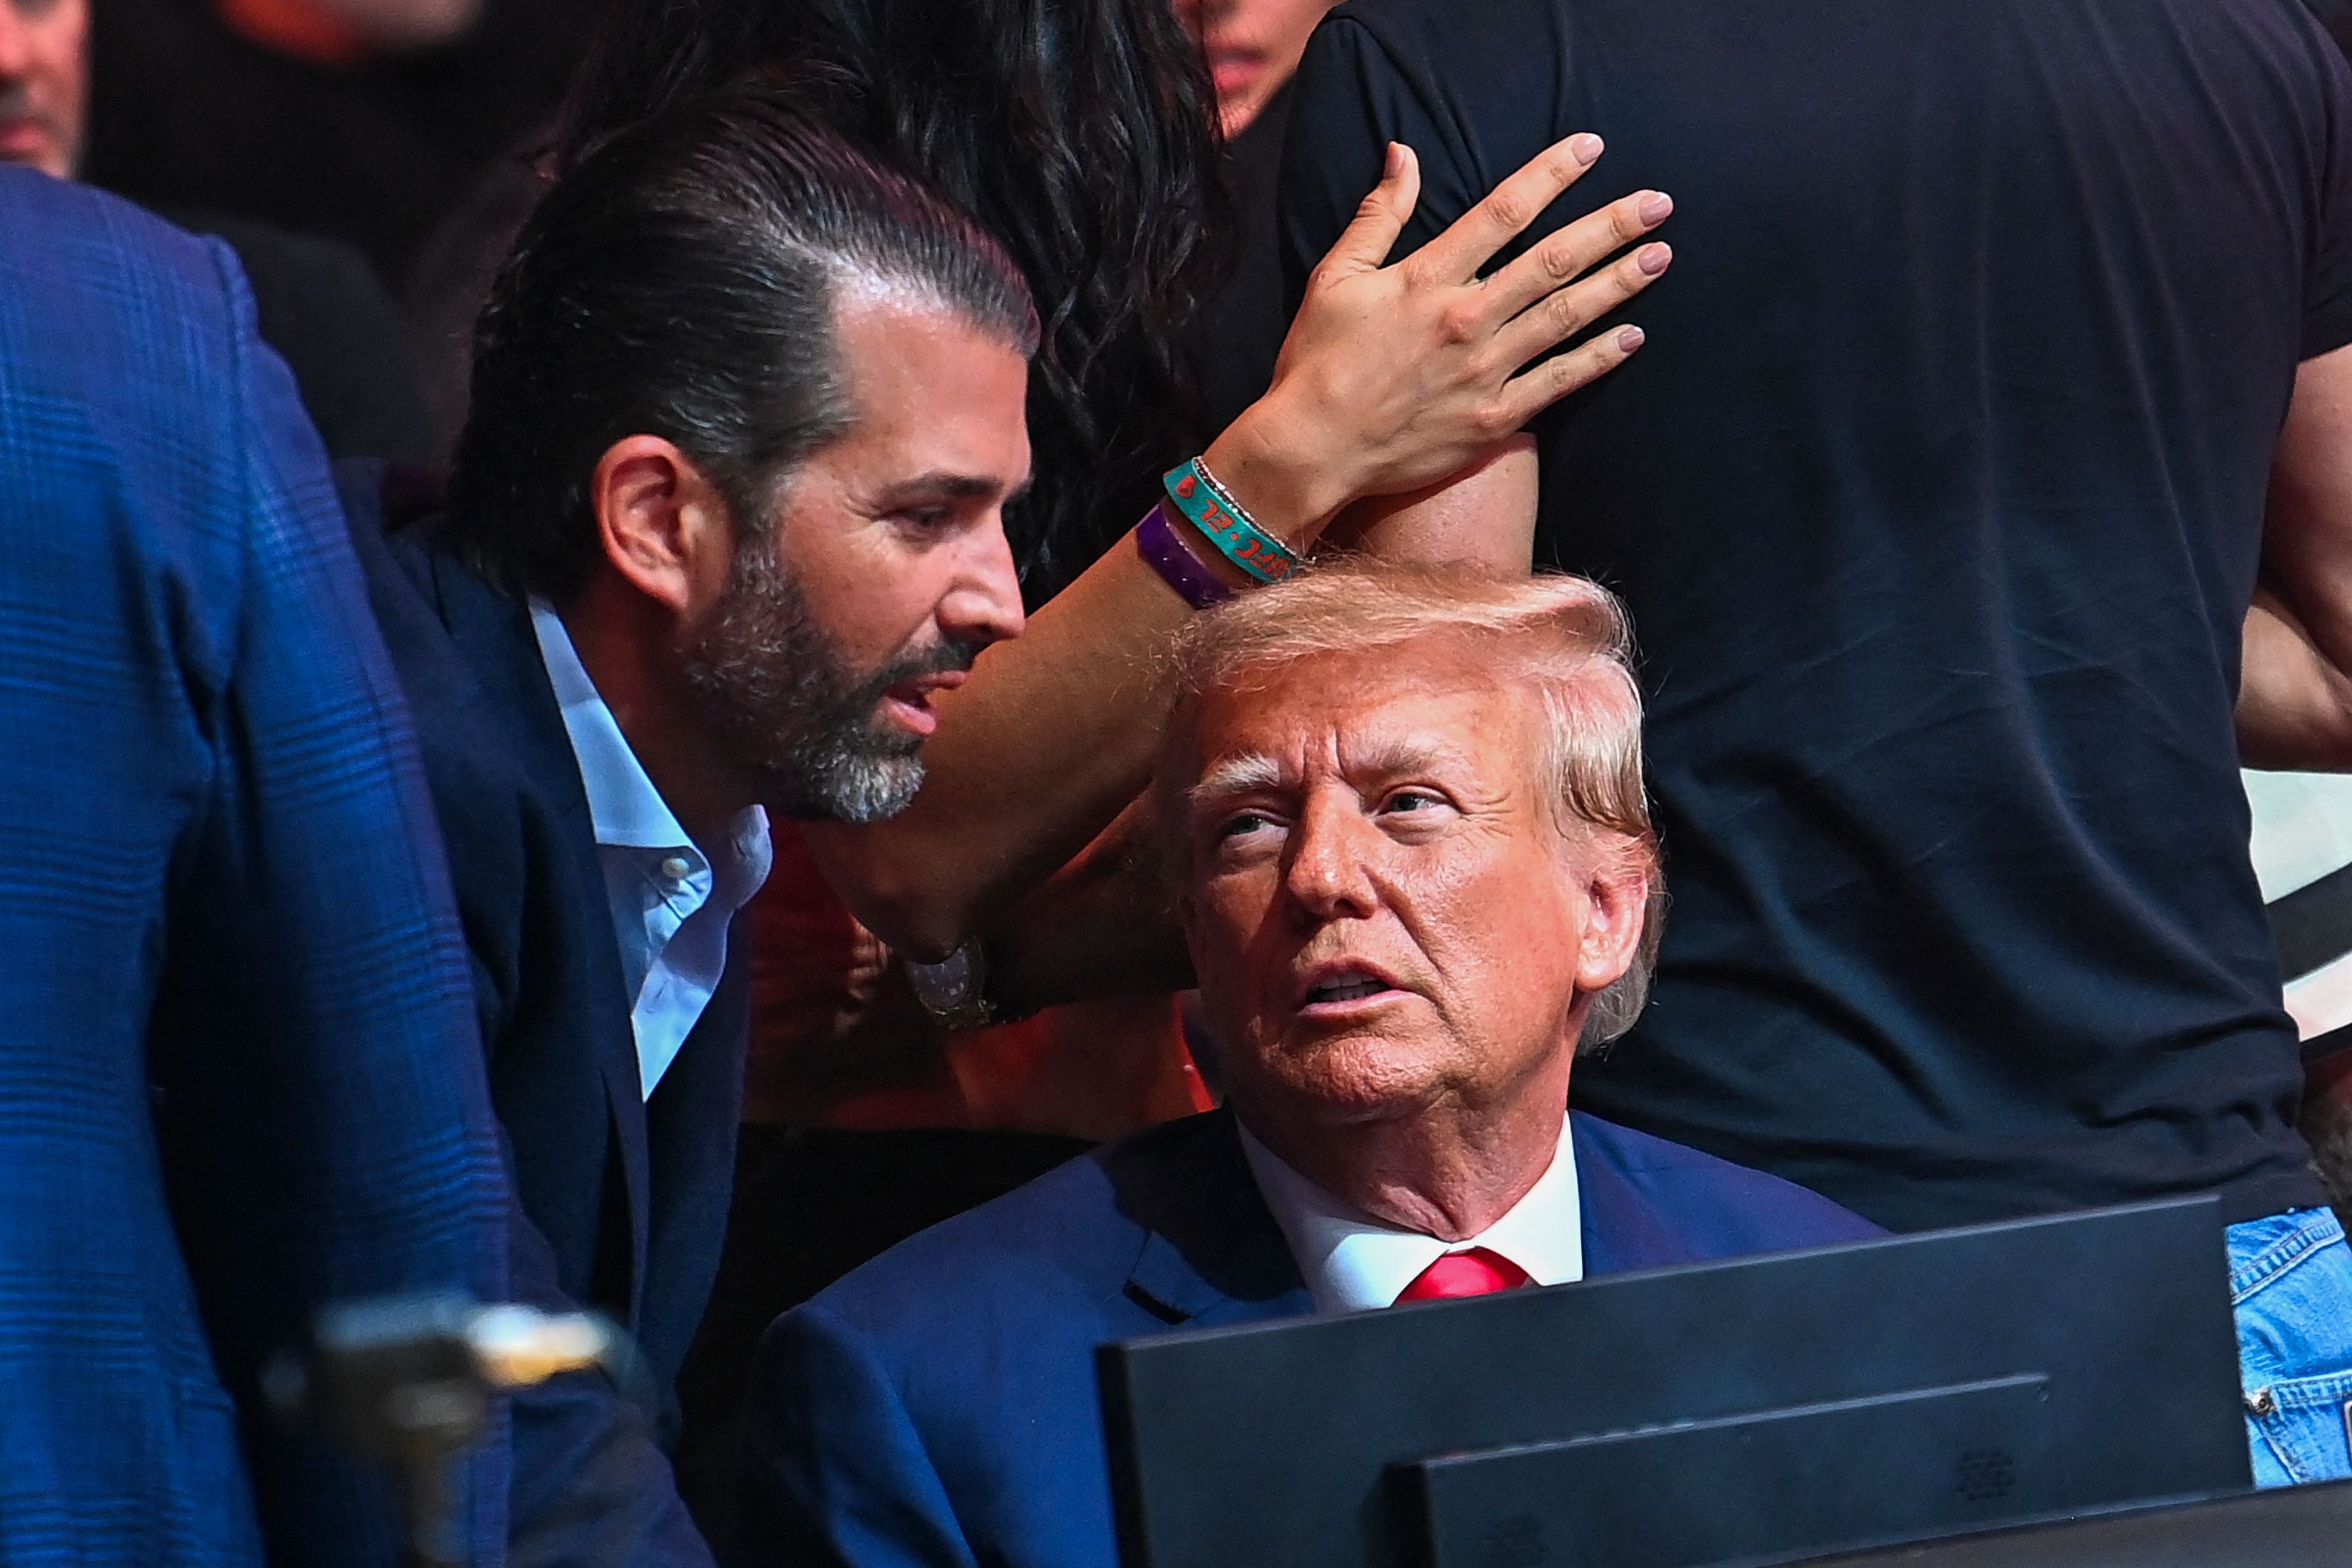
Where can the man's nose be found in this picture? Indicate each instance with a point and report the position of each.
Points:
(983, 606)
(1329, 875)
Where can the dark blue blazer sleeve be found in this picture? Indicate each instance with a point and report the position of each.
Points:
(338, 1113)
(590, 1486)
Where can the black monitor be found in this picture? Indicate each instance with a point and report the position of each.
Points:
(1760, 1410)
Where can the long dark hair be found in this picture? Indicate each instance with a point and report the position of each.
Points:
(1081, 133)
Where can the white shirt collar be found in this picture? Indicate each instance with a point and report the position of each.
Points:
(1352, 1262)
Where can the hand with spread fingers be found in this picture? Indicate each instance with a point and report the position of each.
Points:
(1394, 377)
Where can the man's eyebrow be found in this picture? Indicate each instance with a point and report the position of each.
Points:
(945, 485)
(1237, 775)
(1257, 771)
(1400, 755)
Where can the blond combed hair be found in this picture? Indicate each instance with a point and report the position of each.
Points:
(1564, 639)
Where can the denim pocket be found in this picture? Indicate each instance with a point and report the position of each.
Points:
(2302, 1421)
(2291, 1280)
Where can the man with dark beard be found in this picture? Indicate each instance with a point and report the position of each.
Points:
(769, 680)
(747, 409)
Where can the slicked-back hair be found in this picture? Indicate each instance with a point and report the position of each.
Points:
(682, 282)
(1082, 132)
(1563, 640)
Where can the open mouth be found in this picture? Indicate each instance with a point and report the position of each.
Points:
(1340, 987)
(909, 701)
(911, 709)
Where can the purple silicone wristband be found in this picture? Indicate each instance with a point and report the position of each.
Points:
(1156, 541)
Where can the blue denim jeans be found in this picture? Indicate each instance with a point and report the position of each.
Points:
(2291, 1283)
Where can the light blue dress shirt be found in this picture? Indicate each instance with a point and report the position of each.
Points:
(671, 898)
(1353, 1263)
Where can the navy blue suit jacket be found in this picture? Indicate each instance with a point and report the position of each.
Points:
(626, 1197)
(238, 1076)
(938, 1405)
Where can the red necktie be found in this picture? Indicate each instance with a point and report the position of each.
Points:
(1477, 1272)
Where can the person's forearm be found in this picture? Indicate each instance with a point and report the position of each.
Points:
(2295, 703)
(1482, 519)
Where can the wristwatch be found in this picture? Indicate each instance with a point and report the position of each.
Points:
(954, 991)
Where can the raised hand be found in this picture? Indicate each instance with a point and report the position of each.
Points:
(1394, 377)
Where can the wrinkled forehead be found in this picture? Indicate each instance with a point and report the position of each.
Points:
(1428, 705)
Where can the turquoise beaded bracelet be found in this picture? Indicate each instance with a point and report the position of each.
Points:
(1226, 525)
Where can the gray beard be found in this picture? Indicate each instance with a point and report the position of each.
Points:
(791, 712)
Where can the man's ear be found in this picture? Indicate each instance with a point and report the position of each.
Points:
(665, 528)
(1616, 898)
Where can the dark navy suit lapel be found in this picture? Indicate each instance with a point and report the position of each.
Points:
(691, 1120)
(1212, 1253)
(493, 631)
(1622, 1230)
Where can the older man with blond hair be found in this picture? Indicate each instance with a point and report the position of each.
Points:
(1404, 822)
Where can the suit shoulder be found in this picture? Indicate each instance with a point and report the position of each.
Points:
(98, 262)
(130, 373)
(1076, 1228)
(1750, 1209)
(42, 210)
(1057, 1237)
(1064, 1244)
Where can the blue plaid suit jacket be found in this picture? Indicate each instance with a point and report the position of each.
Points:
(238, 1070)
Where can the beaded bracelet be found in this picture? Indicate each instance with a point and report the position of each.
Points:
(1226, 524)
(1164, 552)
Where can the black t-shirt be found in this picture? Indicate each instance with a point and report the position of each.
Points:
(1246, 308)
(1937, 497)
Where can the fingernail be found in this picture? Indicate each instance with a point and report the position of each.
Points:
(1656, 207)
(1584, 146)
(1395, 161)
(1629, 338)
(1653, 259)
